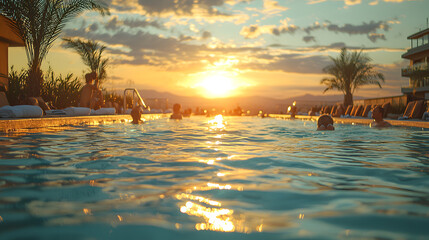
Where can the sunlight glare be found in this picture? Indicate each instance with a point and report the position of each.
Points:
(217, 123)
(218, 86)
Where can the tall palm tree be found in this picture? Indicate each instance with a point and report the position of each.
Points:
(91, 53)
(39, 23)
(350, 70)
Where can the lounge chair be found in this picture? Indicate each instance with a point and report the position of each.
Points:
(358, 111)
(38, 101)
(354, 109)
(349, 110)
(339, 111)
(366, 110)
(386, 108)
(333, 110)
(418, 110)
(325, 110)
(408, 111)
(414, 110)
(19, 111)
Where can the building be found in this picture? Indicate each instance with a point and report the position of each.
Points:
(8, 38)
(417, 71)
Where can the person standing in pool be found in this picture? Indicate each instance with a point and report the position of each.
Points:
(379, 122)
(177, 114)
(325, 122)
(136, 114)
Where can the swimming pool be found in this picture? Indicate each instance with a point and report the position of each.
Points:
(250, 178)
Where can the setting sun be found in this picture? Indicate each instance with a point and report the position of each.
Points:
(217, 86)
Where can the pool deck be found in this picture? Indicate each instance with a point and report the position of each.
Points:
(25, 124)
(360, 121)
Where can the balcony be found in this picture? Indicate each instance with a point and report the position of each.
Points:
(412, 52)
(417, 70)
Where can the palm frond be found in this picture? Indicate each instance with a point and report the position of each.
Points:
(91, 53)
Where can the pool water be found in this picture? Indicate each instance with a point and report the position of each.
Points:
(240, 178)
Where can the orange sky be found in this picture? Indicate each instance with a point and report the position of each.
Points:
(239, 48)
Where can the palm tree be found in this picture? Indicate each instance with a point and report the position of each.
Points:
(91, 54)
(350, 70)
(39, 23)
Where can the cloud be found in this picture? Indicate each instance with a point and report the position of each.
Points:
(396, 1)
(364, 28)
(272, 7)
(315, 1)
(309, 39)
(356, 2)
(252, 31)
(368, 29)
(255, 31)
(206, 35)
(374, 36)
(315, 26)
(183, 7)
(115, 23)
(296, 63)
(352, 2)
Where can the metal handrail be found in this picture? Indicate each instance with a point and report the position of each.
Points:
(424, 66)
(135, 93)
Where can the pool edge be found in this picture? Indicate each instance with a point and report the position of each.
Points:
(360, 121)
(11, 125)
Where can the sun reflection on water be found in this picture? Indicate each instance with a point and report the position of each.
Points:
(217, 123)
(215, 217)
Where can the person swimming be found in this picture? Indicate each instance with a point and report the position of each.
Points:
(379, 122)
(177, 114)
(325, 122)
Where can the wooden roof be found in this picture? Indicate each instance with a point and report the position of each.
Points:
(419, 34)
(8, 35)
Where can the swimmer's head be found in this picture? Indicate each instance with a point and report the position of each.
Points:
(325, 122)
(176, 108)
(377, 110)
(136, 114)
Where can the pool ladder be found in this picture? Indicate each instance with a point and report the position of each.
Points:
(135, 94)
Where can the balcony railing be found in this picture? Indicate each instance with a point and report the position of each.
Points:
(421, 70)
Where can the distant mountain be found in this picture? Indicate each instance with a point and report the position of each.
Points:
(253, 103)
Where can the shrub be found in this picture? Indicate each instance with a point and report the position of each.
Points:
(16, 92)
(61, 91)
(113, 97)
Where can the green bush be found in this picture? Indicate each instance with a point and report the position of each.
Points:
(16, 92)
(61, 91)
(113, 97)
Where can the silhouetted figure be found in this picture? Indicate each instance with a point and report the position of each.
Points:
(379, 122)
(339, 111)
(136, 114)
(176, 112)
(86, 93)
(325, 122)
(293, 111)
(91, 96)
